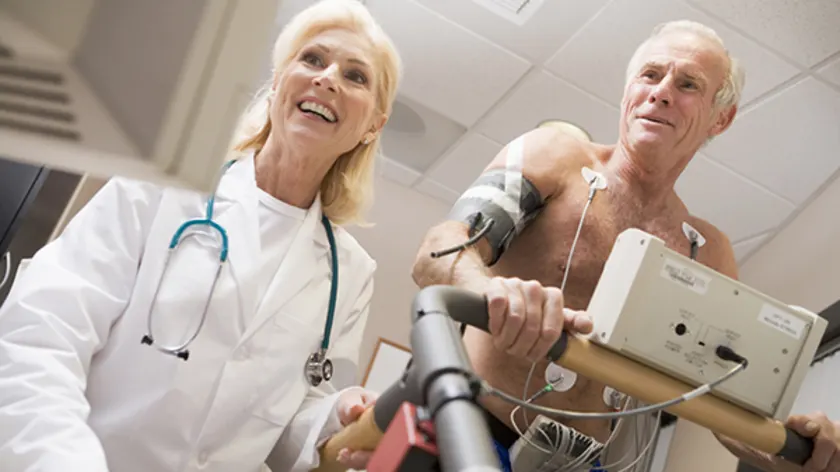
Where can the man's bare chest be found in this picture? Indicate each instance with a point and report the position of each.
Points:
(569, 243)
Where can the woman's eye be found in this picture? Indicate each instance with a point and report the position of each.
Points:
(357, 77)
(313, 59)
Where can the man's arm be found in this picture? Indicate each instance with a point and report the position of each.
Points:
(826, 434)
(535, 152)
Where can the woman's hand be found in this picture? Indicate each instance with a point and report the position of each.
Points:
(350, 406)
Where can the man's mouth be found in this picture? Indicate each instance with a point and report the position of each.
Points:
(654, 119)
(319, 110)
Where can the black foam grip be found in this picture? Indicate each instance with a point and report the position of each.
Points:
(465, 306)
(797, 448)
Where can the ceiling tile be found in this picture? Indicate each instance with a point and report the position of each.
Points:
(804, 30)
(433, 189)
(789, 143)
(540, 97)
(595, 60)
(416, 136)
(463, 164)
(549, 27)
(831, 71)
(397, 172)
(735, 205)
(744, 249)
(447, 67)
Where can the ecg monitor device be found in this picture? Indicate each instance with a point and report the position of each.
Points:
(666, 311)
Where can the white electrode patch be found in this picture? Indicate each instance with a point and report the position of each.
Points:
(561, 378)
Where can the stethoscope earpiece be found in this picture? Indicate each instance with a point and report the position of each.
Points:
(183, 354)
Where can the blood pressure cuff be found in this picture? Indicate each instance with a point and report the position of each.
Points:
(506, 197)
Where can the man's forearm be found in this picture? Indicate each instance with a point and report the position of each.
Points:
(465, 268)
(754, 458)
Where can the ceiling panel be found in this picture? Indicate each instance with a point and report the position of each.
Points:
(475, 80)
(744, 249)
(788, 144)
(807, 31)
(605, 75)
(397, 172)
(547, 29)
(433, 189)
(540, 97)
(415, 135)
(463, 164)
(831, 71)
(447, 67)
(735, 205)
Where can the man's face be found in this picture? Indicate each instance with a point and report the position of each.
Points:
(669, 102)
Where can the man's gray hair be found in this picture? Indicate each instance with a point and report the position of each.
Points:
(730, 93)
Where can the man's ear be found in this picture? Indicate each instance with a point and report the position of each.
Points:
(724, 120)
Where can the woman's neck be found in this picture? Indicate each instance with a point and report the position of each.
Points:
(291, 177)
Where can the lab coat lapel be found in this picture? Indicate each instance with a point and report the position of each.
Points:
(296, 271)
(236, 211)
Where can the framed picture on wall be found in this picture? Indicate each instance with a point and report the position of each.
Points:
(386, 366)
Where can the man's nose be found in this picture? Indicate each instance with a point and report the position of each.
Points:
(662, 93)
(326, 78)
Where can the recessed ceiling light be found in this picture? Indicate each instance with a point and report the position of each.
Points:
(567, 127)
(404, 119)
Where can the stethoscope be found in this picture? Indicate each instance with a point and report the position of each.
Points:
(318, 366)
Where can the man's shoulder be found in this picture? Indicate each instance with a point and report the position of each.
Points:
(559, 145)
(709, 231)
(718, 246)
(551, 154)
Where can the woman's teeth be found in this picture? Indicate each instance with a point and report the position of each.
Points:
(319, 110)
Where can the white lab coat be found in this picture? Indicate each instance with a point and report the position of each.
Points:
(78, 391)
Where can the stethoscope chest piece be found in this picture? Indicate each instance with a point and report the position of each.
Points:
(318, 368)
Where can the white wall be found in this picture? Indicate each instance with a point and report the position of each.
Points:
(799, 266)
(402, 217)
(695, 449)
(62, 23)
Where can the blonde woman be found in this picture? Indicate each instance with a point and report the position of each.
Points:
(170, 331)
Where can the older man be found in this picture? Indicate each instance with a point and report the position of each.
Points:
(682, 89)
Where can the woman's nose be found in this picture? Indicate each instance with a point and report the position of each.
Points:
(326, 79)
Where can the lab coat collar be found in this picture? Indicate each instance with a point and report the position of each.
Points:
(239, 184)
(236, 211)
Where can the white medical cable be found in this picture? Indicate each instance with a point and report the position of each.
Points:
(8, 257)
(641, 455)
(703, 389)
(592, 191)
(525, 414)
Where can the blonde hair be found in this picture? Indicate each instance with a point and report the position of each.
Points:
(729, 93)
(347, 190)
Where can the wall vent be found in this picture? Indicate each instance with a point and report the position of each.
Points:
(34, 99)
(515, 11)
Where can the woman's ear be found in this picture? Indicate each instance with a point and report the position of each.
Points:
(379, 122)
